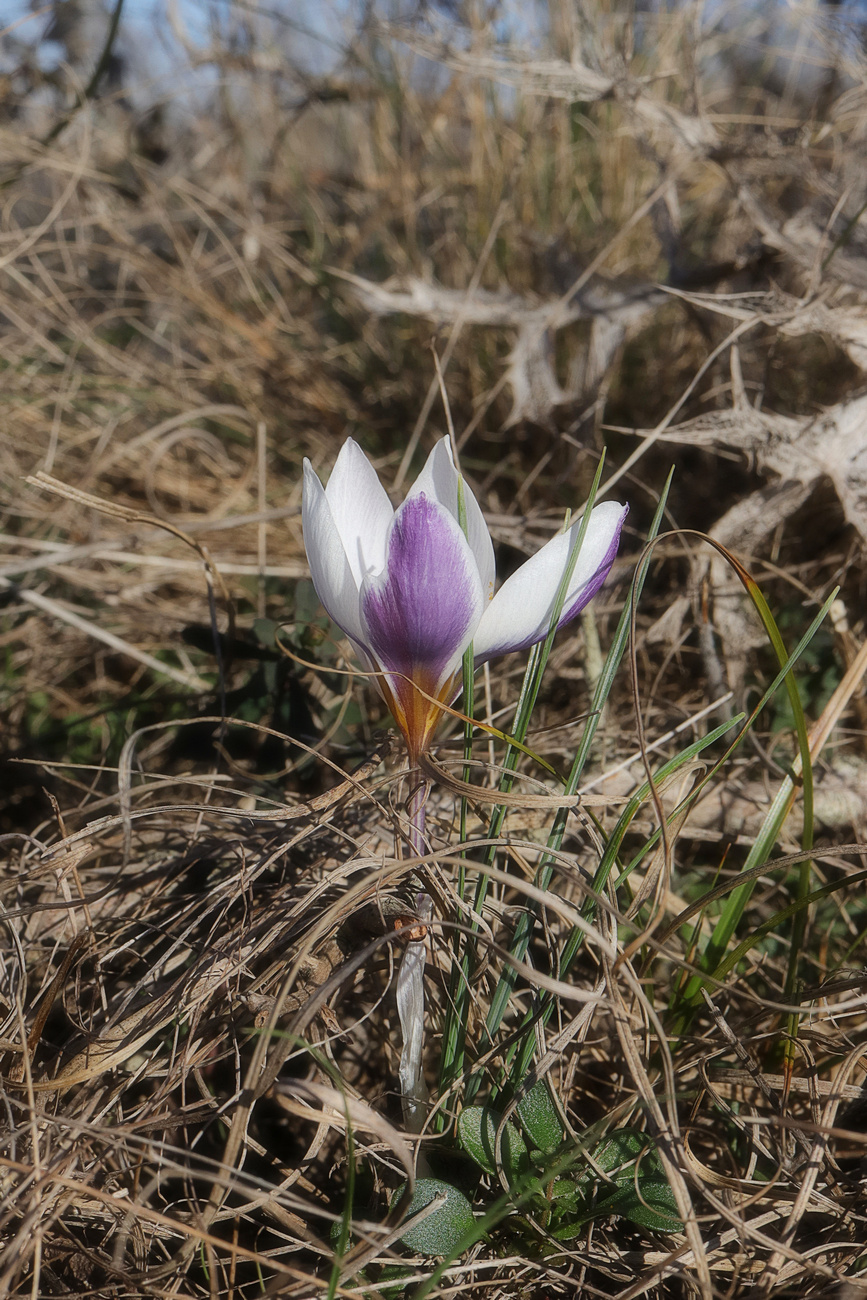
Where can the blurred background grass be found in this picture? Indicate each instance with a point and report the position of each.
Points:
(201, 206)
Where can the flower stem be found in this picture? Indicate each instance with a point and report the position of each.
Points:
(409, 988)
(417, 809)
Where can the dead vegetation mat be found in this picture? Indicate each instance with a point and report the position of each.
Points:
(204, 840)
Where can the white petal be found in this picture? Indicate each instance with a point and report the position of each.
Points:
(330, 569)
(439, 479)
(520, 613)
(360, 509)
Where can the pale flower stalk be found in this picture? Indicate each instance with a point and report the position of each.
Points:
(413, 589)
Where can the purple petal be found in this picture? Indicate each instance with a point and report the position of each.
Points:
(421, 612)
(439, 480)
(576, 601)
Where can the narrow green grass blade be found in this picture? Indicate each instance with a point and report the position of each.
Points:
(609, 670)
(523, 1054)
(519, 1058)
(344, 1237)
(779, 919)
(773, 822)
(454, 1031)
(523, 930)
(454, 1046)
(468, 699)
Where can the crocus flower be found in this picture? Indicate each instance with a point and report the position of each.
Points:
(412, 590)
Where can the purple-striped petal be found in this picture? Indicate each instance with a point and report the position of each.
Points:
(420, 614)
(439, 480)
(520, 613)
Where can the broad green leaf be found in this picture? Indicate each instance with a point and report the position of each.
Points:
(442, 1230)
(396, 1274)
(646, 1200)
(558, 1202)
(540, 1118)
(620, 1148)
(265, 631)
(640, 1190)
(564, 1196)
(306, 602)
(477, 1134)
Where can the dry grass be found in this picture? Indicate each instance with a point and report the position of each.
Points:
(205, 841)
